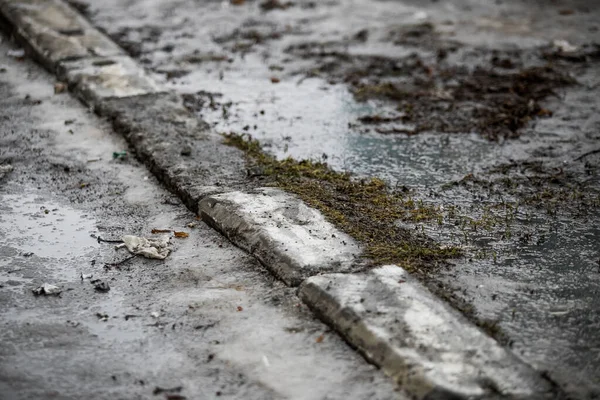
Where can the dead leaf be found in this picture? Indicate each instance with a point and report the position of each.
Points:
(161, 230)
(320, 338)
(240, 308)
(181, 235)
(275, 79)
(237, 2)
(59, 87)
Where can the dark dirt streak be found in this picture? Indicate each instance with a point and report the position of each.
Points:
(435, 96)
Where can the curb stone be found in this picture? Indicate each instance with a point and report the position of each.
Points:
(178, 148)
(54, 31)
(98, 78)
(429, 348)
(291, 239)
(437, 354)
(174, 144)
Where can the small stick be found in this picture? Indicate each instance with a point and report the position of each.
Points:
(119, 263)
(108, 241)
(589, 153)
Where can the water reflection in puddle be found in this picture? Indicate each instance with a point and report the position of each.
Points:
(45, 228)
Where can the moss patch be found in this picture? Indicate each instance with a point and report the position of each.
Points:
(366, 209)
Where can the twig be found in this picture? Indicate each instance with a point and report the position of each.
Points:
(589, 153)
(118, 263)
(108, 241)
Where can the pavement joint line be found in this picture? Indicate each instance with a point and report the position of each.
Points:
(412, 335)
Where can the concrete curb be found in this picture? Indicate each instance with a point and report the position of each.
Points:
(433, 351)
(173, 143)
(427, 347)
(291, 239)
(55, 32)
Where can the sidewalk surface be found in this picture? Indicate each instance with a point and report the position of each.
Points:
(208, 321)
(483, 114)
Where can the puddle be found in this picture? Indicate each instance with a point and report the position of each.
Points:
(45, 228)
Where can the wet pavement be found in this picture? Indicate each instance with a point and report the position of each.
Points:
(519, 196)
(207, 322)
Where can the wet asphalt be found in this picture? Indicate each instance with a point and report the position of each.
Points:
(207, 322)
(273, 72)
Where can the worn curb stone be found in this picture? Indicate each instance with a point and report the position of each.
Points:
(177, 147)
(416, 338)
(99, 78)
(55, 32)
(291, 239)
(425, 345)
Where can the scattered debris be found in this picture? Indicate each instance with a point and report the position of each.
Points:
(320, 338)
(192, 225)
(175, 397)
(155, 314)
(100, 239)
(161, 230)
(265, 361)
(564, 47)
(86, 276)
(47, 290)
(69, 121)
(177, 234)
(73, 323)
(361, 35)
(100, 285)
(5, 170)
(269, 5)
(589, 153)
(117, 155)
(59, 87)
(129, 316)
(205, 326)
(186, 150)
(102, 316)
(157, 248)
(118, 264)
(237, 2)
(275, 79)
(240, 308)
(159, 390)
(378, 119)
(28, 254)
(19, 54)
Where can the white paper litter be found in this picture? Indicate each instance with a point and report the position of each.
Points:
(47, 289)
(16, 53)
(150, 248)
(564, 46)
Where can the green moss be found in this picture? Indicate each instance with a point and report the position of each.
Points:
(366, 209)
